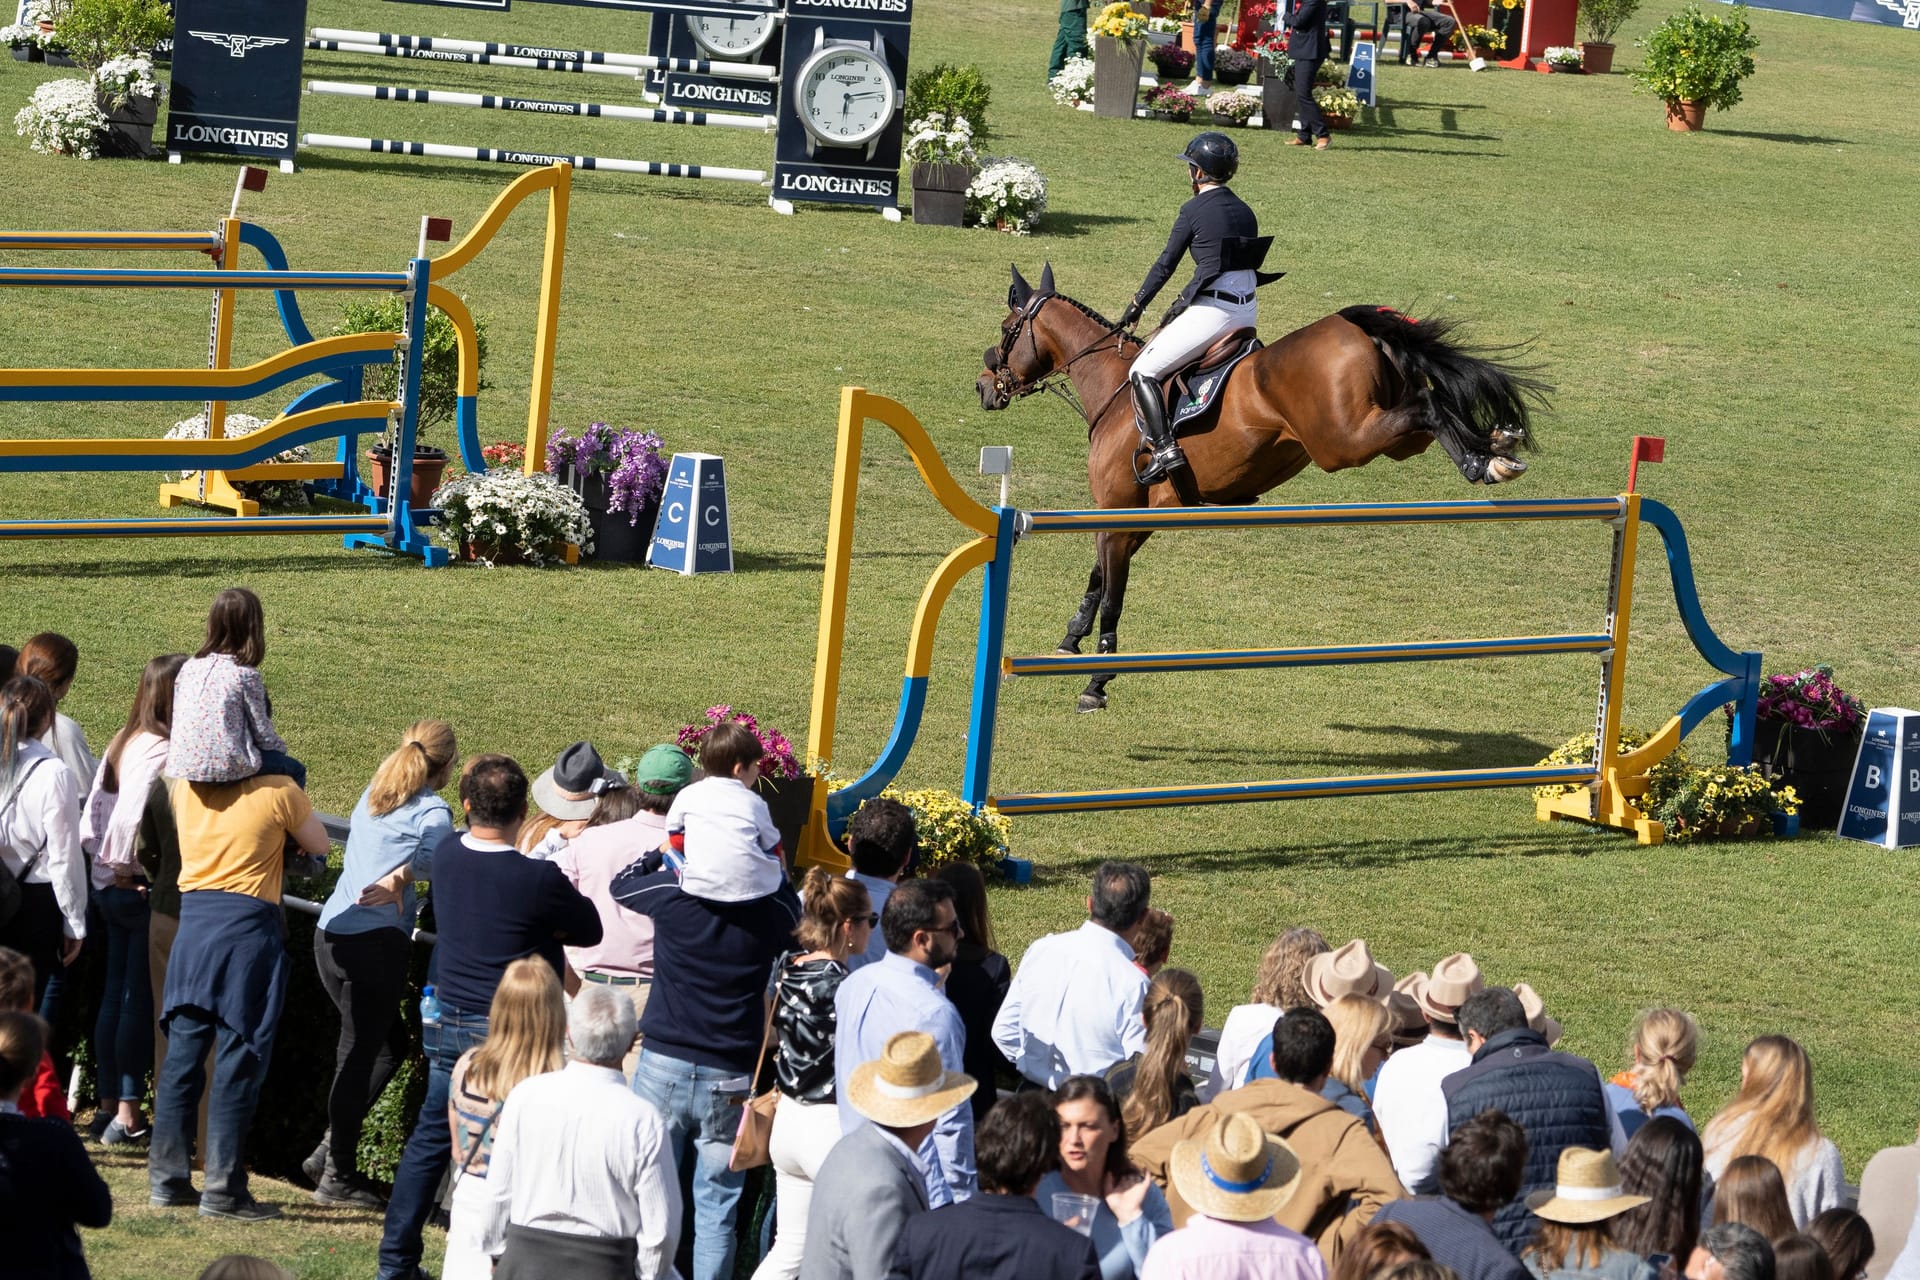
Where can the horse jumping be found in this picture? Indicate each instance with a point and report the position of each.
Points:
(1346, 389)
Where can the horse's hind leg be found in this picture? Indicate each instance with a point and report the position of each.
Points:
(1082, 621)
(1116, 559)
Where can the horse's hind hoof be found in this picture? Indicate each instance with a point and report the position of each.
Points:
(1505, 440)
(1091, 702)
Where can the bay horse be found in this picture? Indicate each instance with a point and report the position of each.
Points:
(1363, 383)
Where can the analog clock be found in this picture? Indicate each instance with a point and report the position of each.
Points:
(846, 95)
(732, 36)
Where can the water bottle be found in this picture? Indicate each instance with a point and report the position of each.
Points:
(429, 1007)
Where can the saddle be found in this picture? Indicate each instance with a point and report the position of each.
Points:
(1193, 392)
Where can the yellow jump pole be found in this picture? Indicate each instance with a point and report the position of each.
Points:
(212, 488)
(546, 333)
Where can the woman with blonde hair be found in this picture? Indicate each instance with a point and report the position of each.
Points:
(363, 946)
(1772, 1116)
(1664, 1044)
(1362, 1034)
(1278, 985)
(1153, 1086)
(836, 922)
(526, 1036)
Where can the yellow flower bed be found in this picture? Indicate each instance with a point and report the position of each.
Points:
(1121, 21)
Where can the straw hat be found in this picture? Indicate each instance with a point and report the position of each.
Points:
(1350, 971)
(1537, 1013)
(1234, 1171)
(1586, 1190)
(906, 1085)
(1448, 986)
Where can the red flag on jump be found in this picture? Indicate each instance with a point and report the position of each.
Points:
(1645, 449)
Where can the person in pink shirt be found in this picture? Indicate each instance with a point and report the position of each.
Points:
(1236, 1178)
(623, 957)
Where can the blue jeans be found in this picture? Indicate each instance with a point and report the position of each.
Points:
(1206, 18)
(237, 1076)
(281, 763)
(429, 1146)
(702, 1121)
(123, 1031)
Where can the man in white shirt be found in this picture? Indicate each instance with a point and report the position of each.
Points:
(580, 1183)
(1074, 1006)
(1407, 1102)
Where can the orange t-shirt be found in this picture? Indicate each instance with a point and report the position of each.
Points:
(233, 835)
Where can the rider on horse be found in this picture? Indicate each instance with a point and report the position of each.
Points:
(1222, 234)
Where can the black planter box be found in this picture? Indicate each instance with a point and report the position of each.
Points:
(1277, 103)
(130, 128)
(26, 52)
(616, 538)
(787, 800)
(940, 193)
(1816, 764)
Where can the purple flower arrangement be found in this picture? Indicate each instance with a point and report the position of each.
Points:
(780, 763)
(632, 462)
(1811, 700)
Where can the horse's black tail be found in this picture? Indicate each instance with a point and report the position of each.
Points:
(1468, 391)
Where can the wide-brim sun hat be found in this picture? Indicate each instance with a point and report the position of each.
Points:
(1448, 987)
(570, 790)
(1536, 1011)
(1349, 971)
(1403, 1005)
(907, 1085)
(1235, 1171)
(1586, 1190)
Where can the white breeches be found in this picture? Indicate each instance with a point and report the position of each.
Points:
(1190, 333)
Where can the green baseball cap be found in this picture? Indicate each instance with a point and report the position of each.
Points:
(663, 770)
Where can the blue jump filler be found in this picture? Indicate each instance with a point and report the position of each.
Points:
(692, 534)
(1883, 800)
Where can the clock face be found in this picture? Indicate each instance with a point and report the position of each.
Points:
(730, 36)
(846, 96)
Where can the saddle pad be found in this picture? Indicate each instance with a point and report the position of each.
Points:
(1194, 398)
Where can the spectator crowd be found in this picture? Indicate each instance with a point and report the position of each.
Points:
(631, 1006)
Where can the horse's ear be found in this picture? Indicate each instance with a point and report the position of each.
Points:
(1021, 291)
(1046, 278)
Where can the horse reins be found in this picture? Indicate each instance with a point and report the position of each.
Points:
(1056, 380)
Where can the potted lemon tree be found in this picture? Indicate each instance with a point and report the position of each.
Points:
(1696, 61)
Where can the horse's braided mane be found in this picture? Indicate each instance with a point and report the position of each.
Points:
(1096, 317)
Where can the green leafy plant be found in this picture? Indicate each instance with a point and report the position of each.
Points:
(1482, 38)
(95, 32)
(439, 362)
(1722, 800)
(943, 87)
(1698, 57)
(1602, 19)
(951, 831)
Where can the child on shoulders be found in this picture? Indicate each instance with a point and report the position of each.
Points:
(222, 720)
(721, 829)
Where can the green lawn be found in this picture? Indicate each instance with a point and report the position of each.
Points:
(1747, 292)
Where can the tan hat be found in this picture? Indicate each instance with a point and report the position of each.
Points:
(1537, 1013)
(1586, 1189)
(1448, 986)
(1350, 971)
(1403, 1006)
(906, 1085)
(1234, 1171)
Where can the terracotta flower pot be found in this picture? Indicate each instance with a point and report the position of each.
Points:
(1337, 121)
(1686, 116)
(429, 464)
(1597, 59)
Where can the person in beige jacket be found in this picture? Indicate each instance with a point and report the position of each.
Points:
(1345, 1176)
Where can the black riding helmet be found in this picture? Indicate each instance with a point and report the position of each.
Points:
(1214, 155)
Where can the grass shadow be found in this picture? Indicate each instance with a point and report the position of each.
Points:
(1436, 749)
(1792, 139)
(336, 562)
(1069, 225)
(1382, 853)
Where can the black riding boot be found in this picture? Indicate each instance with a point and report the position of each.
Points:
(1150, 412)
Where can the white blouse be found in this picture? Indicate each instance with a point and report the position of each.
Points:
(41, 832)
(110, 824)
(67, 742)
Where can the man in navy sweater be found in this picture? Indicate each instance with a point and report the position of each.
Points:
(1481, 1169)
(700, 1035)
(492, 906)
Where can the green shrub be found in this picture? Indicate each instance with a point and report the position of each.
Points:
(1602, 19)
(960, 91)
(97, 31)
(440, 361)
(1697, 57)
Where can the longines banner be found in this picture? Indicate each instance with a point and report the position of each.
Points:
(236, 77)
(1892, 13)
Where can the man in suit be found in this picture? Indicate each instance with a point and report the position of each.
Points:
(1003, 1233)
(1307, 43)
(875, 1177)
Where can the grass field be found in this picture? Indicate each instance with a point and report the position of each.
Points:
(1747, 292)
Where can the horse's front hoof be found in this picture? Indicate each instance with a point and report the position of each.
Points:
(1091, 702)
(1502, 469)
(1068, 647)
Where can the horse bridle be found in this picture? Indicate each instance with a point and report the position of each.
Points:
(1056, 380)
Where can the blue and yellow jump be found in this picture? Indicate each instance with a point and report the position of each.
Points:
(335, 409)
(1608, 786)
